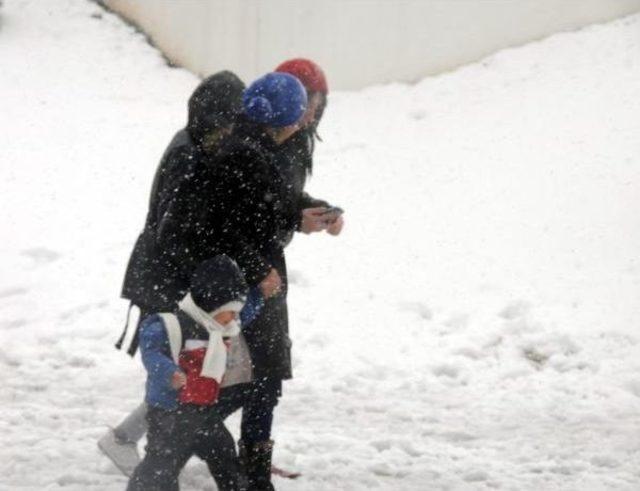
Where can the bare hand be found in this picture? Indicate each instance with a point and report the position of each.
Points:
(178, 380)
(336, 227)
(313, 220)
(271, 285)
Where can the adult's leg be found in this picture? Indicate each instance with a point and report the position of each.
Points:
(257, 421)
(257, 413)
(132, 428)
(121, 443)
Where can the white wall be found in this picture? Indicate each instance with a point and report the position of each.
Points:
(357, 42)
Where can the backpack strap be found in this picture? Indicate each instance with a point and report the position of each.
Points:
(126, 327)
(174, 333)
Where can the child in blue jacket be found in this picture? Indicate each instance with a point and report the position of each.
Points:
(185, 355)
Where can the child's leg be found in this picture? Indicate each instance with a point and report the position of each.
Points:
(134, 426)
(216, 447)
(169, 446)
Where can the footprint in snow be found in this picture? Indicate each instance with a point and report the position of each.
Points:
(418, 308)
(9, 359)
(82, 309)
(515, 310)
(458, 436)
(445, 370)
(12, 292)
(470, 352)
(477, 476)
(633, 386)
(457, 321)
(41, 255)
(604, 461)
(13, 324)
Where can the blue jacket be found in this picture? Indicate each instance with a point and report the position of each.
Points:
(156, 353)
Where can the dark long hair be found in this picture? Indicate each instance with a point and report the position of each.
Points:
(312, 130)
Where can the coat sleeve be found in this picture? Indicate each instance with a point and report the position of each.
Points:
(204, 214)
(154, 346)
(176, 168)
(181, 234)
(253, 306)
(179, 227)
(254, 267)
(307, 201)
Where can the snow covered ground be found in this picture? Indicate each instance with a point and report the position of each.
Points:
(475, 327)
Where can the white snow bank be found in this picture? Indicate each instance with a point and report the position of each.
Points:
(474, 327)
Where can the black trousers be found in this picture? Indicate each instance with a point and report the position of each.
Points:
(174, 437)
(258, 400)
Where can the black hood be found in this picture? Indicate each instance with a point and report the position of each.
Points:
(214, 104)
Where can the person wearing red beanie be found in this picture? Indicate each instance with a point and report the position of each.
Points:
(302, 147)
(308, 72)
(315, 81)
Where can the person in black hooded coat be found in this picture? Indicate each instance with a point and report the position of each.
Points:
(162, 260)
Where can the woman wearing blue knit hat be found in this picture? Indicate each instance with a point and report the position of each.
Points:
(277, 101)
(244, 217)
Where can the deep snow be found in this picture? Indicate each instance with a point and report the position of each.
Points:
(476, 325)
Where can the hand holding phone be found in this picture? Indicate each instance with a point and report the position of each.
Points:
(333, 218)
(333, 210)
(313, 220)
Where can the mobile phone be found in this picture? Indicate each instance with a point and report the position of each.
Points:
(333, 210)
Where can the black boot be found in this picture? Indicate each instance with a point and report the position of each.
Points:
(258, 465)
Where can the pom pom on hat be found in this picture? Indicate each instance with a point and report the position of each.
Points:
(260, 108)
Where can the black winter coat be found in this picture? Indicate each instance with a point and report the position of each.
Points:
(272, 349)
(154, 279)
(160, 265)
(250, 216)
(244, 201)
(268, 336)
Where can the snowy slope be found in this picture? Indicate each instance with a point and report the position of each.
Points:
(475, 327)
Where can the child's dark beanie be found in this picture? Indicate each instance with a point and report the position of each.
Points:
(216, 282)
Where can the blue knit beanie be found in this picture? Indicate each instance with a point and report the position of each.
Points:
(276, 99)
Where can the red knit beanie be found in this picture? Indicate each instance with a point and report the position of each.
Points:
(308, 72)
